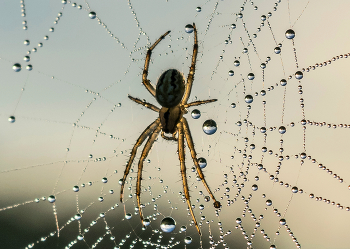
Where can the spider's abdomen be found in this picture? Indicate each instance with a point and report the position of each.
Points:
(170, 88)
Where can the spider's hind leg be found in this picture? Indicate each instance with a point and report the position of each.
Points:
(217, 204)
(144, 154)
(149, 130)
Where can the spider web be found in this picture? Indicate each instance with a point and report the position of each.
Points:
(68, 126)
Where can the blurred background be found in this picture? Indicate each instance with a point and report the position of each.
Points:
(68, 127)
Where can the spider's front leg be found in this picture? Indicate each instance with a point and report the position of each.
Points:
(183, 172)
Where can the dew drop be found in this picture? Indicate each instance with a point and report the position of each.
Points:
(195, 114)
(29, 67)
(268, 203)
(189, 28)
(282, 222)
(295, 189)
(16, 67)
(251, 76)
(209, 127)
(92, 15)
(248, 99)
(283, 82)
(76, 188)
(188, 240)
(282, 129)
(128, 216)
(26, 42)
(146, 222)
(254, 187)
(231, 73)
(299, 75)
(12, 119)
(168, 224)
(198, 9)
(290, 34)
(236, 63)
(233, 105)
(238, 220)
(202, 162)
(277, 50)
(51, 198)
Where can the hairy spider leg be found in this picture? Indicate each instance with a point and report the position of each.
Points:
(194, 157)
(192, 69)
(183, 172)
(199, 102)
(144, 154)
(144, 103)
(149, 130)
(145, 81)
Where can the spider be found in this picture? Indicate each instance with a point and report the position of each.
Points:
(172, 94)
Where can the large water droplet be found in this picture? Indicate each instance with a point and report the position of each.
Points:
(290, 34)
(236, 63)
(277, 50)
(248, 99)
(51, 198)
(202, 162)
(189, 28)
(209, 127)
(198, 9)
(282, 129)
(92, 15)
(188, 240)
(299, 75)
(16, 67)
(251, 76)
(231, 73)
(283, 82)
(168, 224)
(146, 222)
(128, 216)
(12, 119)
(195, 114)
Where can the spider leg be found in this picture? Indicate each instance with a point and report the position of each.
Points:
(192, 68)
(200, 102)
(144, 103)
(149, 130)
(183, 172)
(144, 154)
(194, 157)
(145, 81)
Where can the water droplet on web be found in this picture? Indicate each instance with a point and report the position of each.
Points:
(282, 222)
(290, 34)
(251, 76)
(12, 119)
(231, 73)
(209, 127)
(295, 189)
(195, 114)
(254, 187)
(104, 180)
(128, 216)
(29, 67)
(268, 203)
(16, 67)
(51, 198)
(282, 129)
(77, 216)
(76, 188)
(189, 28)
(238, 220)
(248, 99)
(277, 50)
(233, 26)
(299, 75)
(202, 162)
(26, 42)
(146, 222)
(92, 15)
(236, 63)
(233, 105)
(201, 207)
(283, 82)
(168, 224)
(198, 9)
(188, 240)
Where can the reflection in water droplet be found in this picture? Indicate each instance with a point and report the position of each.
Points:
(202, 162)
(283, 82)
(12, 119)
(198, 9)
(251, 76)
(233, 105)
(236, 63)
(16, 67)
(188, 240)
(299, 75)
(231, 73)
(290, 34)
(76, 188)
(268, 203)
(26, 42)
(189, 28)
(209, 127)
(146, 222)
(248, 99)
(277, 50)
(254, 187)
(51, 199)
(92, 15)
(168, 225)
(128, 216)
(282, 129)
(29, 67)
(238, 220)
(195, 114)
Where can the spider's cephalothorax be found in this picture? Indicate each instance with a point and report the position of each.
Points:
(170, 88)
(172, 94)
